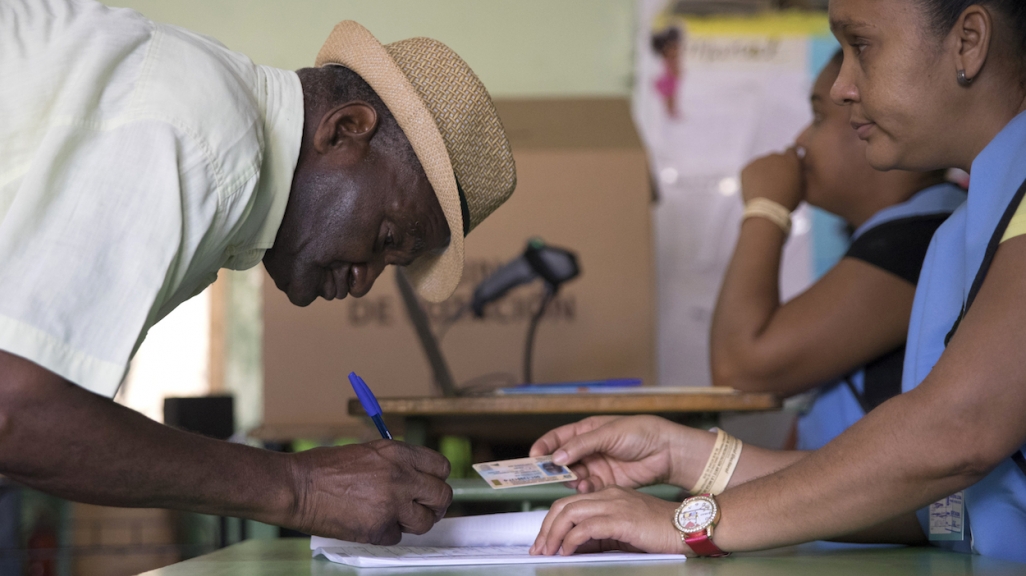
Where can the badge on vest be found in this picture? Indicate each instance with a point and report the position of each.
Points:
(947, 517)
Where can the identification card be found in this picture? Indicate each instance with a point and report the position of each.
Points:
(947, 517)
(523, 472)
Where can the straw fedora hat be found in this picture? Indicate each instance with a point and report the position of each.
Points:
(449, 119)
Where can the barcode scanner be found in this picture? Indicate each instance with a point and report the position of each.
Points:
(554, 265)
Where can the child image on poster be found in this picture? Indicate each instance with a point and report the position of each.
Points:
(669, 44)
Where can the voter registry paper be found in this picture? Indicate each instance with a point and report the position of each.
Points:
(467, 541)
(523, 472)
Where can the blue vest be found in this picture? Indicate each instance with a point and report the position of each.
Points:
(835, 408)
(954, 267)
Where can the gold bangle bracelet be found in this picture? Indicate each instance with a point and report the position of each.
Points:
(719, 468)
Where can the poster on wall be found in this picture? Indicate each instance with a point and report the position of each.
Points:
(711, 94)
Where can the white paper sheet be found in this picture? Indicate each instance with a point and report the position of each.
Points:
(471, 540)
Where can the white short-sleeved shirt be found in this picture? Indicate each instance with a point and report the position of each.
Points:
(136, 159)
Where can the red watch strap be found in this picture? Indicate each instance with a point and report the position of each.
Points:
(702, 545)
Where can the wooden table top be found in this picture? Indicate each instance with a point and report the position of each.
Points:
(526, 404)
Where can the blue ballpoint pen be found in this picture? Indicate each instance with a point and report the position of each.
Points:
(369, 403)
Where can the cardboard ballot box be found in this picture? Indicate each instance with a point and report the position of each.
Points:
(583, 184)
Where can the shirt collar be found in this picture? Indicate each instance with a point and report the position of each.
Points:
(996, 175)
(1000, 165)
(938, 199)
(280, 97)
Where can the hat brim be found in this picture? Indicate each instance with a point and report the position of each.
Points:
(434, 275)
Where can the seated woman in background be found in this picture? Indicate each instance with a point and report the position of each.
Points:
(848, 328)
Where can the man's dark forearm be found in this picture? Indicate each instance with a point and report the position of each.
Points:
(64, 440)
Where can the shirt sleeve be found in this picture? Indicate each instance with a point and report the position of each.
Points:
(90, 245)
(898, 246)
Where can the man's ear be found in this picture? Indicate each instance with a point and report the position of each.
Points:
(973, 32)
(352, 123)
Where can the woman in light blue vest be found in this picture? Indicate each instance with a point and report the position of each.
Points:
(849, 327)
(930, 84)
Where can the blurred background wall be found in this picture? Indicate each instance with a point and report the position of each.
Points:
(518, 47)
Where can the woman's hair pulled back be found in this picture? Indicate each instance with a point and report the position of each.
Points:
(944, 13)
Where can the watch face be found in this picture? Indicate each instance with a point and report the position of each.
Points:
(695, 514)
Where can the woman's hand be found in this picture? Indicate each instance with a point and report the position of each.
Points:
(613, 518)
(776, 177)
(627, 451)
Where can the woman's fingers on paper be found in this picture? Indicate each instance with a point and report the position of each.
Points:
(588, 535)
(572, 514)
(602, 533)
(614, 518)
(559, 520)
(554, 510)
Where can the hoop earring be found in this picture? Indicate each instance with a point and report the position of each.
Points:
(964, 80)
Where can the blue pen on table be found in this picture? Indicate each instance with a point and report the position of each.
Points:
(596, 386)
(369, 403)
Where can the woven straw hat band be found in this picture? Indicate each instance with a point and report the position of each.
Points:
(474, 137)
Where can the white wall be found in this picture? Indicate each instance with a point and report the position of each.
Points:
(517, 47)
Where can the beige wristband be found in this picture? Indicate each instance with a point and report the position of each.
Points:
(772, 211)
(720, 467)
